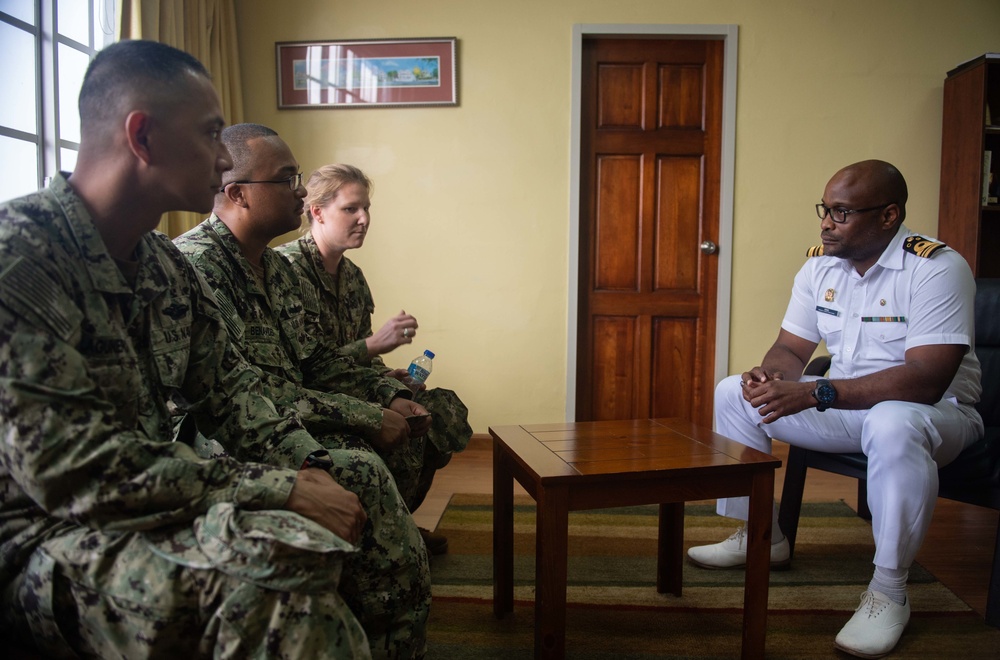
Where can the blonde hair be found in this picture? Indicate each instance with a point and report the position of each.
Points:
(326, 182)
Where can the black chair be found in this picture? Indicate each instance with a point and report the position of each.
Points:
(973, 478)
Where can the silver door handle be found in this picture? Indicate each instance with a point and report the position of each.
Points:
(709, 247)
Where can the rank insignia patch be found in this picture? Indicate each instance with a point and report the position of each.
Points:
(922, 247)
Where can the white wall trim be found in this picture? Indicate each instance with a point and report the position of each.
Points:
(730, 35)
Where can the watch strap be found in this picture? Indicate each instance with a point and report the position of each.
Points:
(318, 459)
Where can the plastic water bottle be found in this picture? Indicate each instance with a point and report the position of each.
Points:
(419, 370)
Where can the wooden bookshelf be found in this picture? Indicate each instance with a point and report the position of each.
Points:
(971, 126)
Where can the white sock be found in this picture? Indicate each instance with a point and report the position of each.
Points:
(891, 582)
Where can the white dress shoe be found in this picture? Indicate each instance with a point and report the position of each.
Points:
(875, 628)
(732, 553)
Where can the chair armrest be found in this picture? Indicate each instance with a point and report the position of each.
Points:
(818, 366)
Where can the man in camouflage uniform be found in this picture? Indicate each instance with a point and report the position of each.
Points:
(348, 408)
(114, 540)
(337, 205)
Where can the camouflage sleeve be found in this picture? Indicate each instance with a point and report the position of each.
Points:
(358, 351)
(226, 395)
(323, 411)
(326, 368)
(65, 449)
(338, 384)
(362, 297)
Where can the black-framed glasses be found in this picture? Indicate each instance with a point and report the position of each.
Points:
(293, 182)
(839, 215)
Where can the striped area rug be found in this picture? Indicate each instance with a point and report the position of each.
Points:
(614, 610)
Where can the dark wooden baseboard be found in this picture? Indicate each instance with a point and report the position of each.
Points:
(481, 441)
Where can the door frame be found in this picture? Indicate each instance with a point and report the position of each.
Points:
(729, 34)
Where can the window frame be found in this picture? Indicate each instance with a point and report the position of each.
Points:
(47, 139)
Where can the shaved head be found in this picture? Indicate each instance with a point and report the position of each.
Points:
(878, 182)
(874, 193)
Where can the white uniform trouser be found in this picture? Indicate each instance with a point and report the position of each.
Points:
(905, 444)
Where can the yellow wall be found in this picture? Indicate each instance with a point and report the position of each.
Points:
(471, 204)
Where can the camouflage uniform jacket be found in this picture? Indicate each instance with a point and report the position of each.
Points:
(346, 315)
(276, 328)
(87, 366)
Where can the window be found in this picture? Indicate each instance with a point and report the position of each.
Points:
(45, 46)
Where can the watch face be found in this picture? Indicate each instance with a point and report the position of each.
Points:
(825, 393)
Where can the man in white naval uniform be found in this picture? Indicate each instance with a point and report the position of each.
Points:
(896, 313)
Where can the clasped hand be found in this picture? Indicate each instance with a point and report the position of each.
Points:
(319, 498)
(396, 428)
(773, 396)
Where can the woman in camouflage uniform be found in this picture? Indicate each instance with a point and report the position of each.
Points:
(338, 210)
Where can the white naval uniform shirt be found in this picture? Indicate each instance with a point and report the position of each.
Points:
(901, 302)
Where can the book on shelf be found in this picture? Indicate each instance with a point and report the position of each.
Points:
(987, 163)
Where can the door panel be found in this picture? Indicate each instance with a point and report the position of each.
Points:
(614, 347)
(620, 98)
(650, 167)
(681, 96)
(678, 197)
(675, 343)
(617, 230)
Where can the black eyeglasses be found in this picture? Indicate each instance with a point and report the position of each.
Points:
(293, 182)
(839, 215)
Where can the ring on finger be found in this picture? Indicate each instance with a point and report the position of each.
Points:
(406, 332)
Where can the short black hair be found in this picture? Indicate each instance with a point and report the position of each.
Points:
(147, 66)
(235, 138)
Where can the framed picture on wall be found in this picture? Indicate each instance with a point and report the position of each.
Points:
(366, 73)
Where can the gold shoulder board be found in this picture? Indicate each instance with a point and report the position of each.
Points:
(922, 247)
(815, 251)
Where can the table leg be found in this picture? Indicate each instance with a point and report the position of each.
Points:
(758, 564)
(551, 548)
(670, 549)
(503, 532)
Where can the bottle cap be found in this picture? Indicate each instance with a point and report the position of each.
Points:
(429, 354)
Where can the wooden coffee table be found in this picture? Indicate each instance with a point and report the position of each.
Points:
(593, 465)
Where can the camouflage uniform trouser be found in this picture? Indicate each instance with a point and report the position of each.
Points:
(234, 584)
(387, 584)
(414, 467)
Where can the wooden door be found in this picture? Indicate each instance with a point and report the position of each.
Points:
(650, 174)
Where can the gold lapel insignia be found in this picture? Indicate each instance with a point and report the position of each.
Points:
(830, 293)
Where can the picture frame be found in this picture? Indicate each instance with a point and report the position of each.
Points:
(367, 73)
